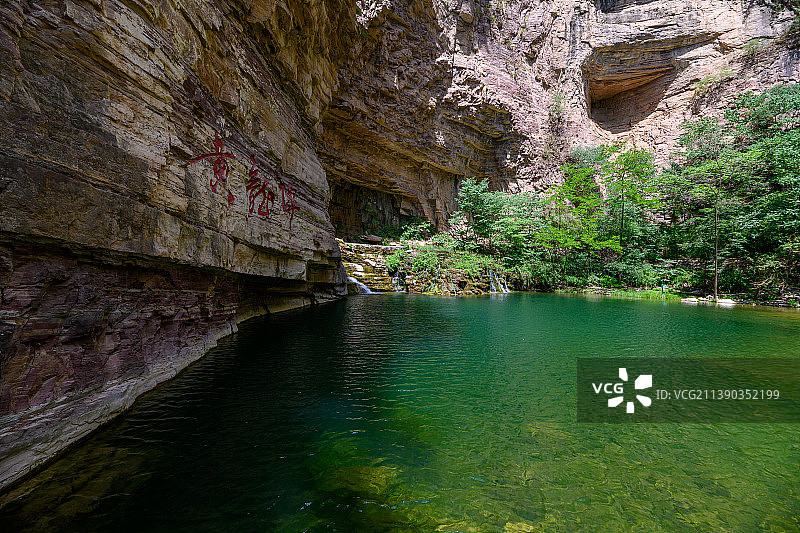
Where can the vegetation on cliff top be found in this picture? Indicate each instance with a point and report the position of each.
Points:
(725, 216)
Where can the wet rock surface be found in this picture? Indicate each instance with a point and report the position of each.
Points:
(367, 264)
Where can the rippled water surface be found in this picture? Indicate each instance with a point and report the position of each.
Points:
(410, 413)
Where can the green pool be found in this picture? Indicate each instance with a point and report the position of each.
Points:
(414, 413)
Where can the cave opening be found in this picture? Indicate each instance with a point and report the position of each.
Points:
(356, 210)
(625, 86)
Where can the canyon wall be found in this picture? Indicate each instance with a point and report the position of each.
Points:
(440, 90)
(172, 167)
(125, 254)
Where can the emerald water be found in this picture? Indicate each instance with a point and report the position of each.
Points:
(412, 413)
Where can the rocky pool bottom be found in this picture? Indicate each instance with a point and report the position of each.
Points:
(403, 412)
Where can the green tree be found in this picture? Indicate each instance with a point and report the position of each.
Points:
(704, 142)
(577, 210)
(768, 131)
(630, 181)
(515, 229)
(495, 222)
(745, 179)
(480, 209)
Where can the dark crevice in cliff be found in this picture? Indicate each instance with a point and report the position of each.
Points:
(356, 210)
(394, 141)
(623, 110)
(615, 6)
(623, 86)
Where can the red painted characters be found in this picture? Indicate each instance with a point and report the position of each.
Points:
(258, 187)
(288, 199)
(221, 167)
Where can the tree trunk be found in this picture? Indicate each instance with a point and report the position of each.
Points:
(622, 218)
(588, 262)
(622, 224)
(716, 243)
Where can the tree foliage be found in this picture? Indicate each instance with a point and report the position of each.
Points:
(729, 210)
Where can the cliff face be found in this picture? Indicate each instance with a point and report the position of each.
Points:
(439, 90)
(122, 256)
(639, 63)
(172, 167)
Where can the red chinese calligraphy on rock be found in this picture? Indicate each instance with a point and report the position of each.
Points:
(220, 165)
(288, 199)
(258, 187)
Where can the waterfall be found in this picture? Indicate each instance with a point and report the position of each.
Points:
(497, 283)
(396, 285)
(448, 287)
(362, 289)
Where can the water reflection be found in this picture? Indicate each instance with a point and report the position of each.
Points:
(409, 413)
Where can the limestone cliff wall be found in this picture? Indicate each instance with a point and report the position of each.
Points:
(633, 75)
(121, 259)
(438, 90)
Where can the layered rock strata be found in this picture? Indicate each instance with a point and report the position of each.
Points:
(368, 264)
(159, 183)
(643, 68)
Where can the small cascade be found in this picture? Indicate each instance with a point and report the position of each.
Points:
(505, 285)
(396, 284)
(497, 283)
(362, 289)
(448, 287)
